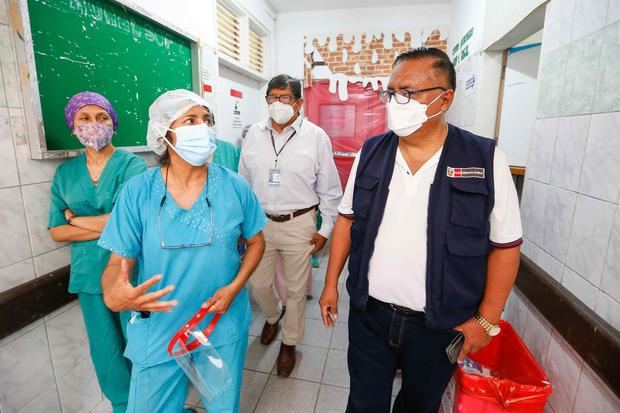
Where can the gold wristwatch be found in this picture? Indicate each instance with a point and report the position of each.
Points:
(491, 329)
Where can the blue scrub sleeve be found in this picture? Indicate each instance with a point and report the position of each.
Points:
(57, 204)
(135, 167)
(254, 218)
(123, 232)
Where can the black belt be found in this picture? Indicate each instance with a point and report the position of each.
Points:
(398, 308)
(288, 217)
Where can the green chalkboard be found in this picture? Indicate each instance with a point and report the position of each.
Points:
(102, 46)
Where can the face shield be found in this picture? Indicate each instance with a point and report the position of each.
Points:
(191, 349)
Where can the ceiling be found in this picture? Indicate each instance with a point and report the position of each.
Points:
(284, 6)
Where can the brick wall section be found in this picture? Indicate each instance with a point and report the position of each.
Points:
(381, 67)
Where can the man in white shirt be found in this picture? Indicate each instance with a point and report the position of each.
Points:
(430, 223)
(288, 161)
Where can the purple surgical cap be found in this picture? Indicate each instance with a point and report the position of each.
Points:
(79, 100)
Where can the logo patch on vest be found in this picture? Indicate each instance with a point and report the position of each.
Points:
(472, 172)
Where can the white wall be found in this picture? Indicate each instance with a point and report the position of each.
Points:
(503, 15)
(291, 27)
(228, 124)
(518, 114)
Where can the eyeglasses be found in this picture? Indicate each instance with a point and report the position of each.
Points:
(286, 99)
(161, 236)
(403, 96)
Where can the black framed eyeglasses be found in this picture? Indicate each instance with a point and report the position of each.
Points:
(161, 236)
(403, 96)
(286, 99)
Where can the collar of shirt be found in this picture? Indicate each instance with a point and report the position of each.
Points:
(295, 125)
(404, 167)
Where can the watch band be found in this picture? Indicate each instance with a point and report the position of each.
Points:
(487, 325)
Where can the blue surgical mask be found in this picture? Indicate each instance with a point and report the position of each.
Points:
(195, 143)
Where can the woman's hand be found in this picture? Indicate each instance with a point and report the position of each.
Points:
(68, 214)
(220, 301)
(122, 296)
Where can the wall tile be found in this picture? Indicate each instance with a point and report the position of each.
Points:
(540, 154)
(608, 309)
(613, 14)
(594, 396)
(4, 17)
(563, 367)
(79, 390)
(9, 176)
(610, 284)
(47, 402)
(16, 274)
(570, 147)
(2, 93)
(558, 24)
(25, 369)
(537, 336)
(68, 341)
(14, 244)
(517, 312)
(9, 68)
(36, 201)
(589, 238)
(607, 98)
(53, 260)
(550, 265)
(590, 16)
(561, 207)
(551, 82)
(533, 206)
(578, 88)
(33, 171)
(580, 288)
(600, 177)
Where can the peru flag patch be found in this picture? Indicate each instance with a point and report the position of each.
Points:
(472, 172)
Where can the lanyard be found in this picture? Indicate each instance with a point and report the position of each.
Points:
(273, 144)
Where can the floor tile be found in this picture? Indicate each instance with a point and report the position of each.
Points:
(253, 387)
(259, 357)
(332, 399)
(316, 334)
(310, 362)
(287, 396)
(336, 371)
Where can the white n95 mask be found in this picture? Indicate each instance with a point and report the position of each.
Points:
(280, 112)
(405, 119)
(195, 143)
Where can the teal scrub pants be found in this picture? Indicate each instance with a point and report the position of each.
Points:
(162, 388)
(106, 337)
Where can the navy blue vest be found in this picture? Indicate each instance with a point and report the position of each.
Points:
(460, 201)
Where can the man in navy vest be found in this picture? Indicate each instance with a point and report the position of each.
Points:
(430, 224)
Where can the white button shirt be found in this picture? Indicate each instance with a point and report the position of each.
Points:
(308, 174)
(397, 269)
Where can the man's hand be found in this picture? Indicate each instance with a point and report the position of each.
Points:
(476, 337)
(329, 305)
(124, 297)
(318, 241)
(220, 301)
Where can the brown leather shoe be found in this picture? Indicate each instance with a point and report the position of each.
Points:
(286, 360)
(269, 333)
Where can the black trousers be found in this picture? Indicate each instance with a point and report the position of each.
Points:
(382, 340)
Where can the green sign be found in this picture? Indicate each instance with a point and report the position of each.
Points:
(467, 36)
(465, 52)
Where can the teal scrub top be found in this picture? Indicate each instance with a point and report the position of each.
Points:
(72, 188)
(196, 272)
(227, 155)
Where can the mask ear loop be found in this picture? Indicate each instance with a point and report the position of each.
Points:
(433, 101)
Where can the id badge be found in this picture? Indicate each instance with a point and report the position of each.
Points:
(274, 176)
